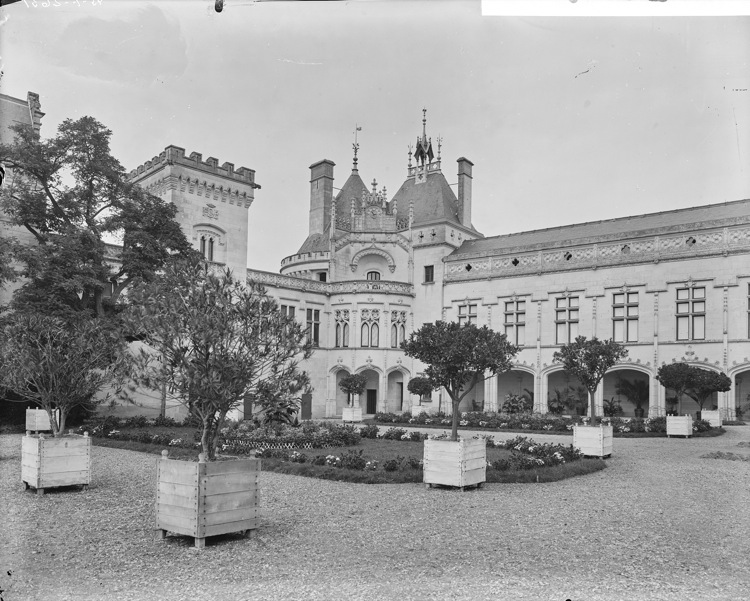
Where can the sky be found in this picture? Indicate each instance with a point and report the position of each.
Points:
(567, 119)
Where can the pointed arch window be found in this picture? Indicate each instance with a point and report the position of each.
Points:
(394, 336)
(374, 335)
(365, 335)
(342, 328)
(210, 256)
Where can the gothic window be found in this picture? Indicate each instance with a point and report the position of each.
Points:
(398, 331)
(370, 330)
(373, 275)
(402, 332)
(467, 314)
(625, 317)
(691, 313)
(342, 328)
(313, 326)
(429, 274)
(515, 321)
(566, 319)
(203, 246)
(210, 255)
(394, 336)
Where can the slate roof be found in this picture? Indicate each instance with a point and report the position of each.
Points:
(433, 200)
(580, 233)
(315, 243)
(352, 188)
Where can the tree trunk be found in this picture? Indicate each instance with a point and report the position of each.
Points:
(456, 415)
(163, 408)
(592, 408)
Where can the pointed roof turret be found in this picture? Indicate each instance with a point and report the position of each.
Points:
(424, 152)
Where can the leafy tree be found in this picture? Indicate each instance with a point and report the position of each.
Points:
(7, 272)
(352, 384)
(60, 364)
(676, 376)
(421, 386)
(589, 360)
(71, 194)
(458, 357)
(636, 391)
(214, 339)
(699, 384)
(279, 402)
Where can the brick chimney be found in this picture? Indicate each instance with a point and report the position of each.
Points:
(321, 195)
(464, 191)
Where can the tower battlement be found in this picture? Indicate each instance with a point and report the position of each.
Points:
(174, 155)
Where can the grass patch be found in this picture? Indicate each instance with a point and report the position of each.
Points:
(380, 451)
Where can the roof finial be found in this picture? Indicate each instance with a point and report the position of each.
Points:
(355, 146)
(424, 123)
(440, 143)
(374, 186)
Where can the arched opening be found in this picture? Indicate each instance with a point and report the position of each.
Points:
(626, 392)
(395, 394)
(515, 382)
(369, 399)
(341, 397)
(566, 395)
(742, 394)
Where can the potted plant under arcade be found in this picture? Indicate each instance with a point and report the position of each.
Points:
(636, 391)
(457, 358)
(214, 339)
(589, 360)
(353, 385)
(422, 387)
(59, 365)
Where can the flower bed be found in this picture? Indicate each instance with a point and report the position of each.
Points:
(244, 437)
(622, 426)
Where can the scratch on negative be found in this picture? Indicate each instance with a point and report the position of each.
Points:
(286, 60)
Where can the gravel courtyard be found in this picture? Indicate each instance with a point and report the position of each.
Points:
(658, 523)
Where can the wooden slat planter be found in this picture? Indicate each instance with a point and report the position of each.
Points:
(679, 425)
(50, 462)
(207, 499)
(458, 463)
(37, 420)
(351, 414)
(593, 441)
(712, 417)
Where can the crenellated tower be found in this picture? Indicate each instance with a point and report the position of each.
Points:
(212, 201)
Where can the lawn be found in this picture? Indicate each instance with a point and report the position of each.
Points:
(404, 454)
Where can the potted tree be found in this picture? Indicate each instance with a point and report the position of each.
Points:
(353, 385)
(635, 391)
(422, 387)
(59, 365)
(215, 339)
(589, 360)
(457, 358)
(678, 377)
(704, 384)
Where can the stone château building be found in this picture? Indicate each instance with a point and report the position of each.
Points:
(672, 286)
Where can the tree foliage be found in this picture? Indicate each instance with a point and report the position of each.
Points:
(589, 360)
(72, 195)
(420, 386)
(697, 383)
(213, 340)
(59, 364)
(353, 384)
(458, 357)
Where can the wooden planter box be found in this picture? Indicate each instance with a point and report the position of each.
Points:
(351, 414)
(712, 417)
(593, 441)
(51, 462)
(206, 499)
(459, 463)
(679, 425)
(37, 420)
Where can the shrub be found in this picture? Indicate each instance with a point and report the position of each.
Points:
(701, 425)
(417, 436)
(297, 457)
(394, 433)
(414, 463)
(393, 465)
(165, 422)
(318, 460)
(369, 431)
(353, 460)
(517, 404)
(137, 421)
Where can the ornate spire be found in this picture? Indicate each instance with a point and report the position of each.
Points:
(424, 144)
(356, 147)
